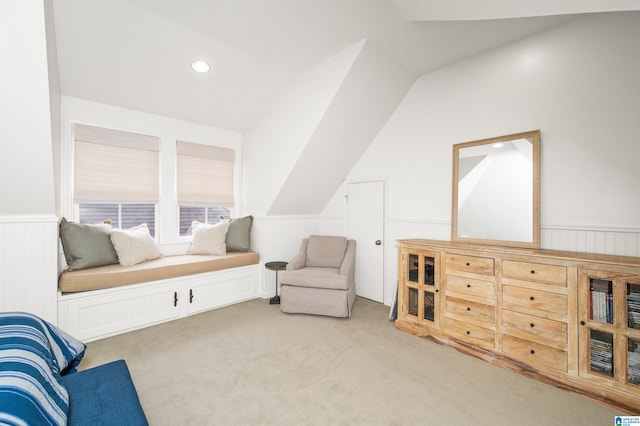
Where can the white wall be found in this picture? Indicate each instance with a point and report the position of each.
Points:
(54, 97)
(28, 227)
(26, 158)
(169, 130)
(578, 83)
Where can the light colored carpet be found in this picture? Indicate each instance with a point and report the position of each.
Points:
(251, 364)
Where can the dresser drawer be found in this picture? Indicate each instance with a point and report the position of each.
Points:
(461, 287)
(536, 272)
(476, 313)
(474, 264)
(470, 333)
(530, 327)
(534, 352)
(535, 299)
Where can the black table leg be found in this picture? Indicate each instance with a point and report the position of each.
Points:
(275, 300)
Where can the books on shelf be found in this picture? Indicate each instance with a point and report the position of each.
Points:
(601, 358)
(601, 301)
(633, 360)
(633, 306)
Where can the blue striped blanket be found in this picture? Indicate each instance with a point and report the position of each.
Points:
(34, 355)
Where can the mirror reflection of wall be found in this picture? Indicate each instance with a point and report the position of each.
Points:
(503, 174)
(496, 190)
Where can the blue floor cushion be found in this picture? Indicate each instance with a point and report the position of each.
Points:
(103, 395)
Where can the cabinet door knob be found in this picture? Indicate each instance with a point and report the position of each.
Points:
(468, 332)
(468, 309)
(532, 352)
(532, 298)
(533, 271)
(468, 285)
(468, 264)
(532, 325)
(582, 323)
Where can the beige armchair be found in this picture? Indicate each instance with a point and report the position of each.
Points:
(320, 279)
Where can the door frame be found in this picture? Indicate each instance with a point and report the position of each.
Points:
(383, 180)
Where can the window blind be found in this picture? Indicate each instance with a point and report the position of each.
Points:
(205, 175)
(111, 166)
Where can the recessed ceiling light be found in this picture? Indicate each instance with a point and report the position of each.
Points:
(497, 145)
(200, 66)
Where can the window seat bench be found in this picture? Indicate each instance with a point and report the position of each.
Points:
(162, 268)
(108, 300)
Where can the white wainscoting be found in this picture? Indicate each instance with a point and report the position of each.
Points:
(29, 265)
(589, 239)
(617, 241)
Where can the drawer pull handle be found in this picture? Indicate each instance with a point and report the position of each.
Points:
(532, 325)
(468, 309)
(532, 352)
(190, 295)
(532, 298)
(175, 298)
(533, 272)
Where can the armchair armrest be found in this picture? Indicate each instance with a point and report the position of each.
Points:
(300, 259)
(348, 264)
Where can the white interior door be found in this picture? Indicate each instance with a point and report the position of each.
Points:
(365, 224)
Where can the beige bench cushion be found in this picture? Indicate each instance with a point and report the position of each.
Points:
(165, 267)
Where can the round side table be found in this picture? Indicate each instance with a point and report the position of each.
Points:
(276, 266)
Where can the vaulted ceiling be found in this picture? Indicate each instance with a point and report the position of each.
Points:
(137, 53)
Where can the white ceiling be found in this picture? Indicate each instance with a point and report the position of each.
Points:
(137, 53)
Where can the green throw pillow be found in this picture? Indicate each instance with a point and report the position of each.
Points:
(86, 245)
(239, 234)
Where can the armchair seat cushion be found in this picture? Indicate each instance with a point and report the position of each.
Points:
(315, 277)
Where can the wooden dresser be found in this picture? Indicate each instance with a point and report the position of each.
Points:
(569, 319)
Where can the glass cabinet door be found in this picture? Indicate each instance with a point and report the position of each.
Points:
(421, 287)
(610, 327)
(413, 268)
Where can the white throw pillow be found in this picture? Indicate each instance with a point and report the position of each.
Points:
(209, 239)
(134, 245)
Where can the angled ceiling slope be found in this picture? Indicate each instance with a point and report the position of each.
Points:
(370, 92)
(272, 145)
(476, 10)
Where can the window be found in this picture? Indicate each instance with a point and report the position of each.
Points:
(116, 176)
(209, 215)
(121, 215)
(205, 183)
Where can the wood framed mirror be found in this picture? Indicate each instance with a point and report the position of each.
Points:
(496, 191)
